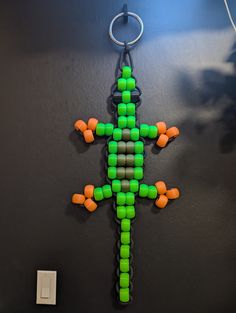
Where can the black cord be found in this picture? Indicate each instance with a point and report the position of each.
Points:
(125, 57)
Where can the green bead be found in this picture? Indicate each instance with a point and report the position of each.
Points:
(117, 134)
(134, 134)
(125, 224)
(124, 251)
(138, 173)
(126, 96)
(152, 192)
(120, 212)
(130, 109)
(112, 147)
(111, 172)
(138, 147)
(131, 121)
(122, 121)
(124, 280)
(112, 159)
(122, 109)
(125, 237)
(116, 185)
(124, 265)
(98, 194)
(134, 185)
(120, 198)
(121, 84)
(107, 192)
(109, 129)
(126, 71)
(130, 211)
(130, 84)
(124, 295)
(130, 198)
(143, 190)
(138, 160)
(144, 130)
(100, 129)
(152, 132)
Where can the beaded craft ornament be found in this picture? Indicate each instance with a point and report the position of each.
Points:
(125, 164)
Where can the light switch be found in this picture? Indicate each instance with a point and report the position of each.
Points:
(46, 287)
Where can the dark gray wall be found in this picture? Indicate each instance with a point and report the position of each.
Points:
(56, 65)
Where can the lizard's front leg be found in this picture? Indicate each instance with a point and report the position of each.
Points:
(159, 132)
(93, 126)
(87, 129)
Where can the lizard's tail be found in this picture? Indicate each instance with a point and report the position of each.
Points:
(125, 215)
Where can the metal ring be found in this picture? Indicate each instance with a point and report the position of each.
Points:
(131, 43)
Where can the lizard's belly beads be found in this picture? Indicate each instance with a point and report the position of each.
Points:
(125, 166)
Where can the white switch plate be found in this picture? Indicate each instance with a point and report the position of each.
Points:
(46, 287)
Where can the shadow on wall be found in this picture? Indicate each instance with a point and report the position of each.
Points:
(215, 101)
(38, 26)
(220, 86)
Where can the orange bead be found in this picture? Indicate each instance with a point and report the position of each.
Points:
(88, 136)
(161, 187)
(161, 126)
(90, 205)
(162, 141)
(92, 124)
(80, 125)
(88, 191)
(78, 198)
(161, 202)
(173, 193)
(172, 132)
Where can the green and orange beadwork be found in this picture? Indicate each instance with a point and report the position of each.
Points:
(125, 170)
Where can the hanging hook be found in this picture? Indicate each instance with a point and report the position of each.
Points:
(125, 13)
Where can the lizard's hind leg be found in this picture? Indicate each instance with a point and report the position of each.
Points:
(85, 198)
